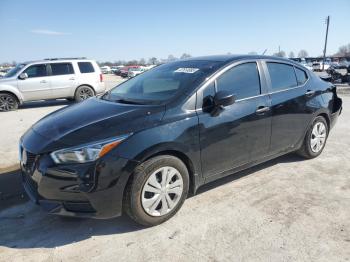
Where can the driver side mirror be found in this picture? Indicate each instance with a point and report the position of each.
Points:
(223, 98)
(23, 76)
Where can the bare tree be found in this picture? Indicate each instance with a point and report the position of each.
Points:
(291, 54)
(185, 55)
(131, 62)
(303, 53)
(142, 61)
(153, 61)
(280, 54)
(107, 63)
(344, 50)
(171, 58)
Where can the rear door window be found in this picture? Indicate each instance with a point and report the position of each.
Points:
(36, 71)
(86, 67)
(282, 76)
(61, 69)
(242, 80)
(301, 76)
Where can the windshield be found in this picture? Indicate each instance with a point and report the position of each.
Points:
(163, 82)
(14, 70)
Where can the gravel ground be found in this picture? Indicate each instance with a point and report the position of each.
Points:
(287, 209)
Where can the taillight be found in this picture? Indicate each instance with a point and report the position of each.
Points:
(101, 78)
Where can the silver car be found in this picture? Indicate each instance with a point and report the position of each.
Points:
(71, 78)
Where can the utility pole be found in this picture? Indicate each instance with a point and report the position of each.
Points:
(325, 43)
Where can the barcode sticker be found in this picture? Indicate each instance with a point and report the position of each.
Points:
(187, 70)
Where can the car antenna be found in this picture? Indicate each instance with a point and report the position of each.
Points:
(264, 52)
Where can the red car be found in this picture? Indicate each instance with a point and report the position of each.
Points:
(125, 70)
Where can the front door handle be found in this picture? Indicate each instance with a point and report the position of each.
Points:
(43, 81)
(310, 93)
(72, 78)
(262, 109)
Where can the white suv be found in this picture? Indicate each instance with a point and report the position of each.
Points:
(71, 78)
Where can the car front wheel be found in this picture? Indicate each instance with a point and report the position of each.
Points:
(157, 190)
(8, 102)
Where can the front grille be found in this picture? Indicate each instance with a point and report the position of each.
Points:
(30, 159)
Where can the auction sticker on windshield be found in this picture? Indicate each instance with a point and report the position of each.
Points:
(187, 70)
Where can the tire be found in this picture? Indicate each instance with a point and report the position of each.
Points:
(8, 102)
(309, 150)
(146, 207)
(83, 92)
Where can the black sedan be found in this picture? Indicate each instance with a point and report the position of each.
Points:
(143, 146)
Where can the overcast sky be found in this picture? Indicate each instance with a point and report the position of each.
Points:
(114, 30)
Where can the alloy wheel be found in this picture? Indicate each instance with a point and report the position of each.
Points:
(7, 102)
(85, 93)
(162, 191)
(318, 137)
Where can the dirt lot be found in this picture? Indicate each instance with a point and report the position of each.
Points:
(287, 209)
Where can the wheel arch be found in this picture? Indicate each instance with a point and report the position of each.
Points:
(76, 89)
(184, 158)
(322, 113)
(172, 151)
(19, 100)
(325, 116)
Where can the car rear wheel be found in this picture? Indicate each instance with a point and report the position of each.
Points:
(83, 93)
(157, 190)
(315, 138)
(8, 102)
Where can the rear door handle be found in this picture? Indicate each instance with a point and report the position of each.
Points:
(43, 81)
(262, 109)
(72, 78)
(310, 93)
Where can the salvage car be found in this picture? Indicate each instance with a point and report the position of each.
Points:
(135, 71)
(338, 74)
(124, 72)
(70, 78)
(145, 145)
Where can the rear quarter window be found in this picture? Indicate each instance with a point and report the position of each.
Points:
(86, 67)
(282, 76)
(301, 76)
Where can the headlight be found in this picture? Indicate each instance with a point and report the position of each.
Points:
(86, 153)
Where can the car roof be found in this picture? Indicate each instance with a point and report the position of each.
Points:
(58, 60)
(231, 58)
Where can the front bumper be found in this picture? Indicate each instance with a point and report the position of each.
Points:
(82, 190)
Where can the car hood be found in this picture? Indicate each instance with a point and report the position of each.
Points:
(4, 80)
(89, 121)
